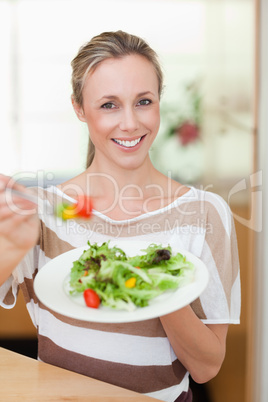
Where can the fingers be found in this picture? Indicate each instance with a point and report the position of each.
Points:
(19, 223)
(9, 222)
(16, 205)
(13, 210)
(7, 181)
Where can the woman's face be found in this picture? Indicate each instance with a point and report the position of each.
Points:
(121, 109)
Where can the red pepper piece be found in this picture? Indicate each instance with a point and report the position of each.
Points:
(84, 206)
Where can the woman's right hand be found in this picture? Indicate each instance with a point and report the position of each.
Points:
(19, 223)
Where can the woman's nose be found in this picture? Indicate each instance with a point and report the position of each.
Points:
(129, 121)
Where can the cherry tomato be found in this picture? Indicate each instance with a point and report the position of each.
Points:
(84, 206)
(91, 298)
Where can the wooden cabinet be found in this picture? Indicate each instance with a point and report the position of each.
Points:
(16, 322)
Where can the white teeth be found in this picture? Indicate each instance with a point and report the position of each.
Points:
(128, 144)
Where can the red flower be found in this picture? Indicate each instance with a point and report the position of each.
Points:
(187, 132)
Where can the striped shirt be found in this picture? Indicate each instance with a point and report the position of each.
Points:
(135, 355)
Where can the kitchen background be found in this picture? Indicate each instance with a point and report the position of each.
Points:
(207, 135)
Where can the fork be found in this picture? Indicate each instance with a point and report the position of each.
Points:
(21, 194)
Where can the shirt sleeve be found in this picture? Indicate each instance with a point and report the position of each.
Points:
(221, 301)
(24, 270)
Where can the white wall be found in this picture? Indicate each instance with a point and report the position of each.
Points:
(260, 382)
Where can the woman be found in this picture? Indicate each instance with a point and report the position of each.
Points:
(117, 84)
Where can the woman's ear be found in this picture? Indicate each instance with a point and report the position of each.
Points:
(78, 110)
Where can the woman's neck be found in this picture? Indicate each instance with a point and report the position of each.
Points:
(117, 179)
(125, 193)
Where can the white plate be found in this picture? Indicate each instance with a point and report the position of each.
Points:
(51, 288)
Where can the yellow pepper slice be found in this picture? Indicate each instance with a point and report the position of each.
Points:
(69, 213)
(130, 283)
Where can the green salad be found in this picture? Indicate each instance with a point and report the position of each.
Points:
(107, 276)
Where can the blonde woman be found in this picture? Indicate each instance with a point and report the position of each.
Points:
(117, 84)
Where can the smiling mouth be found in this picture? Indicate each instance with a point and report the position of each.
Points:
(128, 144)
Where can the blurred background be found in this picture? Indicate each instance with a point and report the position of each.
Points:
(207, 136)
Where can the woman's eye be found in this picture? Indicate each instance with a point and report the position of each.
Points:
(144, 102)
(108, 105)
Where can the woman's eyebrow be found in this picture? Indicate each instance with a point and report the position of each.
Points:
(117, 97)
(145, 93)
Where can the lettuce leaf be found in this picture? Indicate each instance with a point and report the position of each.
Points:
(106, 269)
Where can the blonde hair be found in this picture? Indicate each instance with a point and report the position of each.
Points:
(105, 46)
